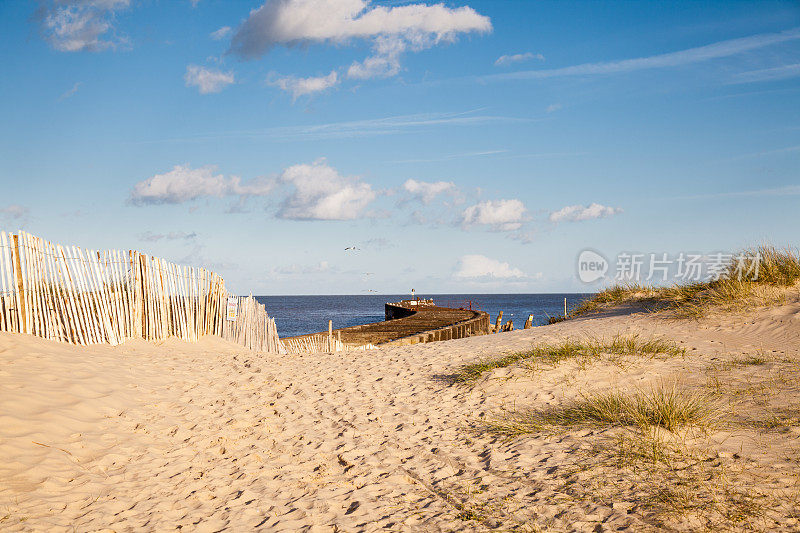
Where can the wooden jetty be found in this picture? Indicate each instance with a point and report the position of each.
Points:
(407, 322)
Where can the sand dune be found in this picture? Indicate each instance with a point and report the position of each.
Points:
(208, 437)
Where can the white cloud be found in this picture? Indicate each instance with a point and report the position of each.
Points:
(501, 215)
(370, 127)
(321, 193)
(392, 30)
(517, 58)
(377, 244)
(322, 266)
(480, 266)
(788, 190)
(295, 22)
(427, 191)
(70, 93)
(393, 124)
(672, 59)
(318, 191)
(184, 184)
(552, 108)
(207, 80)
(575, 213)
(79, 25)
(13, 213)
(768, 74)
(221, 33)
(384, 61)
(450, 157)
(302, 86)
(149, 236)
(784, 150)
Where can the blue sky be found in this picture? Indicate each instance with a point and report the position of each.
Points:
(470, 146)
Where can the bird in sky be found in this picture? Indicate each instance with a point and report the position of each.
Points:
(353, 248)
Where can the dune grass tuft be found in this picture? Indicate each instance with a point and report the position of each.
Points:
(664, 407)
(751, 360)
(553, 354)
(736, 288)
(632, 345)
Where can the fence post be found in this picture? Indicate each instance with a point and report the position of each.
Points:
(140, 295)
(498, 322)
(20, 285)
(529, 322)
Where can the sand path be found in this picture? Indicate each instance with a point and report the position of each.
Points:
(207, 437)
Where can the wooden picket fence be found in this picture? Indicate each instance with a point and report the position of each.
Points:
(313, 343)
(253, 328)
(320, 342)
(67, 294)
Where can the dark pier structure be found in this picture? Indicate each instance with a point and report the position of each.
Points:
(415, 321)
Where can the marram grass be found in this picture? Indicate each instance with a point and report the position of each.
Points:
(777, 270)
(665, 407)
(553, 354)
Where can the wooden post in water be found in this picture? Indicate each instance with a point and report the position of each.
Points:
(498, 322)
(529, 322)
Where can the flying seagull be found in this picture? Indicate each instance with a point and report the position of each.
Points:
(350, 248)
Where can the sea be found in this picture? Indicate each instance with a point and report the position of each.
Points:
(298, 315)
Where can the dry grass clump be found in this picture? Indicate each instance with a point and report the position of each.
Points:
(734, 290)
(664, 407)
(751, 360)
(778, 267)
(665, 475)
(684, 485)
(631, 345)
(553, 354)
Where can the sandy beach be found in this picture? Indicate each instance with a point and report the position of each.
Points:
(209, 436)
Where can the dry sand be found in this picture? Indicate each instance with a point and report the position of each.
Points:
(209, 437)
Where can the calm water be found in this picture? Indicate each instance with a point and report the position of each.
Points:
(298, 315)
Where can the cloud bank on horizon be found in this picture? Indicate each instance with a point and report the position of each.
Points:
(477, 266)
